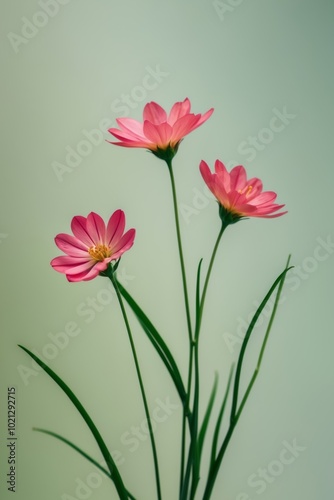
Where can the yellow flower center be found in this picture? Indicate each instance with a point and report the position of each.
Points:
(99, 252)
(247, 190)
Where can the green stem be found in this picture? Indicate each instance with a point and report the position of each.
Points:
(179, 242)
(195, 475)
(195, 464)
(206, 283)
(185, 416)
(186, 301)
(110, 274)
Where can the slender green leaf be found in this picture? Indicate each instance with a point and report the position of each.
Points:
(247, 337)
(141, 383)
(114, 473)
(264, 343)
(198, 289)
(203, 430)
(220, 419)
(192, 454)
(194, 425)
(214, 467)
(80, 451)
(206, 419)
(75, 447)
(157, 342)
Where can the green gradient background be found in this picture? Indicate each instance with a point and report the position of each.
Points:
(262, 55)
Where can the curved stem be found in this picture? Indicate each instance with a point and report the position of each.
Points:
(179, 242)
(193, 459)
(186, 302)
(127, 325)
(206, 283)
(185, 416)
(195, 464)
(196, 472)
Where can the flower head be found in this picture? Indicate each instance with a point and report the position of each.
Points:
(93, 246)
(159, 133)
(237, 196)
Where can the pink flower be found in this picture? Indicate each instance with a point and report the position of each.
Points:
(93, 246)
(159, 133)
(237, 196)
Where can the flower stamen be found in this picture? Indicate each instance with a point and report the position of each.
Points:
(246, 191)
(99, 252)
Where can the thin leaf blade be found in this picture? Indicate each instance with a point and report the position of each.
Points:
(247, 337)
(157, 342)
(206, 419)
(114, 473)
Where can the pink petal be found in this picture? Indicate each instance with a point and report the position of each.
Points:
(96, 228)
(215, 183)
(133, 144)
(183, 126)
(206, 174)
(178, 110)
(124, 244)
(123, 134)
(238, 178)
(132, 126)
(244, 209)
(272, 216)
(70, 271)
(264, 198)
(220, 168)
(257, 187)
(221, 194)
(71, 245)
(71, 265)
(115, 227)
(78, 226)
(223, 176)
(90, 273)
(84, 276)
(160, 135)
(154, 113)
(204, 117)
(237, 198)
(269, 208)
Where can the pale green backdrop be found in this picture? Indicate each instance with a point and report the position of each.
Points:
(69, 68)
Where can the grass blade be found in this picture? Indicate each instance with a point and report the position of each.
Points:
(247, 337)
(220, 419)
(157, 342)
(114, 473)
